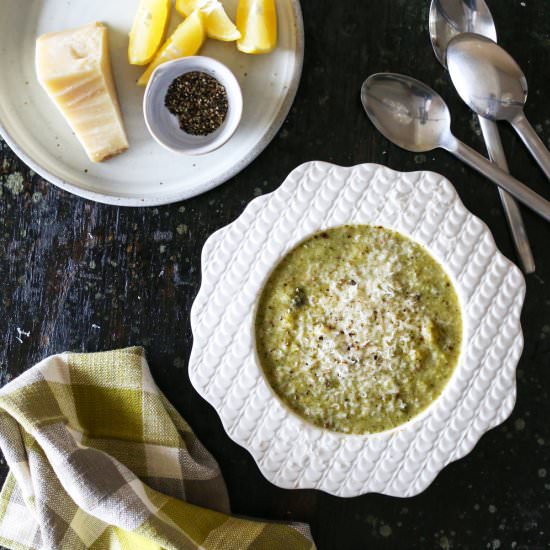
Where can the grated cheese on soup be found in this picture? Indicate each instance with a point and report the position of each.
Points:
(358, 329)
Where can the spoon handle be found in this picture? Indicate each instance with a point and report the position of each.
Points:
(525, 195)
(512, 212)
(535, 145)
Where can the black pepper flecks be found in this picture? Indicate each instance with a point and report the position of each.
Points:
(199, 101)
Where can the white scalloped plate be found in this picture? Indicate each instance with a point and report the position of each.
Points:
(147, 174)
(224, 369)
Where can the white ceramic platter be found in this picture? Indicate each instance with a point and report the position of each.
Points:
(147, 174)
(224, 368)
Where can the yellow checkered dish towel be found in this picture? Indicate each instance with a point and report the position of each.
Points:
(99, 459)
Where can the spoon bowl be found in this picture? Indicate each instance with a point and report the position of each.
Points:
(448, 18)
(406, 111)
(487, 78)
(416, 118)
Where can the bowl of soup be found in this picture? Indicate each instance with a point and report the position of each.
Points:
(357, 329)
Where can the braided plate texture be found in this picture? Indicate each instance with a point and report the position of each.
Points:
(224, 369)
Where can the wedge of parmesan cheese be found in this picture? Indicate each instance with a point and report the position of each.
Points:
(74, 68)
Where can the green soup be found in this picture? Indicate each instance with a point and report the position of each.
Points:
(358, 329)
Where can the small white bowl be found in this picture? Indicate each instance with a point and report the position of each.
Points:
(164, 126)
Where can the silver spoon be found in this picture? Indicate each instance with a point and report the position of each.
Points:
(415, 117)
(447, 19)
(490, 81)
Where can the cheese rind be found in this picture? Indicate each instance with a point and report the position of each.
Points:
(74, 68)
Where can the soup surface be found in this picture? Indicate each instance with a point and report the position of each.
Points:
(358, 329)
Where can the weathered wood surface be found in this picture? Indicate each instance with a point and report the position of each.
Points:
(83, 276)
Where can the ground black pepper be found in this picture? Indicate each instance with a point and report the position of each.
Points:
(199, 101)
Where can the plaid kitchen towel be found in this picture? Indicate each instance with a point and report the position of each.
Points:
(99, 459)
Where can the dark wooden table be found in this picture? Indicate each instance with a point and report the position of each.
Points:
(83, 276)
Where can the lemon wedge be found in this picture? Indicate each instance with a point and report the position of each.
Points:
(257, 22)
(186, 40)
(148, 30)
(217, 22)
